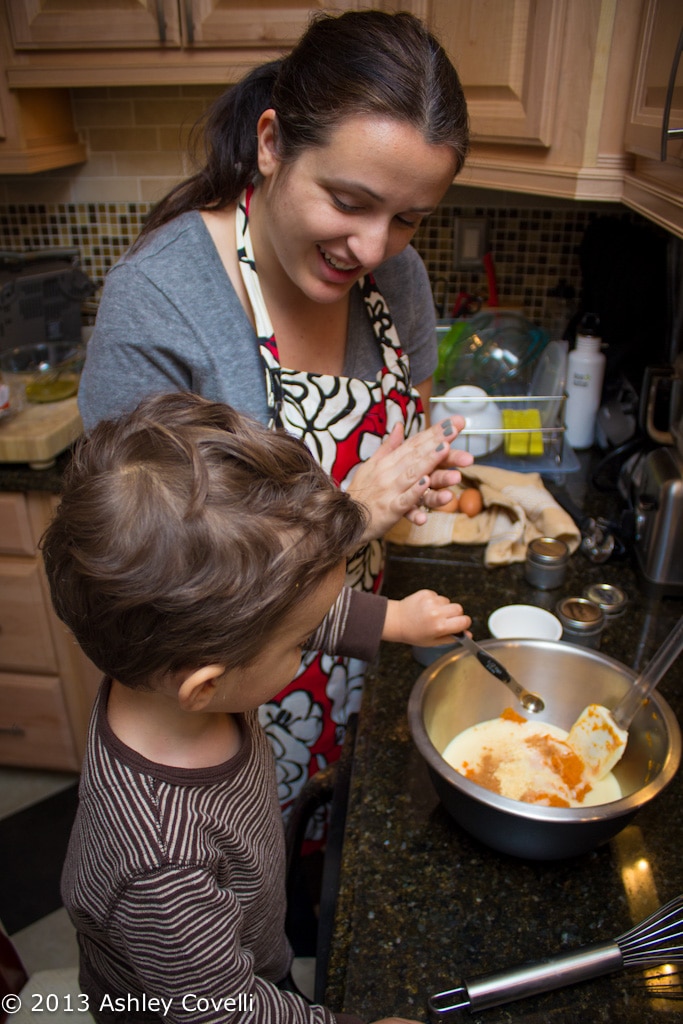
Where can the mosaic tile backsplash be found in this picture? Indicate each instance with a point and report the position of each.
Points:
(138, 144)
(533, 248)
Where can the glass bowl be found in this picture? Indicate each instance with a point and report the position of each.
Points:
(46, 372)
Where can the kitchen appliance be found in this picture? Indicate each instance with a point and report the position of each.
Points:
(656, 408)
(656, 494)
(41, 293)
(456, 693)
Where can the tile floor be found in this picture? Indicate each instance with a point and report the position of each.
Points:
(50, 943)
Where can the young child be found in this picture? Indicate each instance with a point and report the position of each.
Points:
(193, 555)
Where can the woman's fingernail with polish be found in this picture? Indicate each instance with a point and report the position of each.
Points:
(447, 427)
(440, 447)
(423, 481)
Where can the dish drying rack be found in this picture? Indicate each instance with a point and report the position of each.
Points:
(538, 446)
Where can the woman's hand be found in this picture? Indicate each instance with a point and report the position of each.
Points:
(425, 619)
(405, 478)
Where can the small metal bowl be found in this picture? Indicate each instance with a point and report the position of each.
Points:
(456, 693)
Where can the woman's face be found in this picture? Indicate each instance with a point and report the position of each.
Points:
(337, 211)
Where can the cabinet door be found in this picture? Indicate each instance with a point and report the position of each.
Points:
(34, 727)
(65, 24)
(15, 532)
(25, 638)
(126, 24)
(507, 54)
(662, 27)
(235, 23)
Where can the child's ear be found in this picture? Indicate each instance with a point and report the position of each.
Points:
(198, 688)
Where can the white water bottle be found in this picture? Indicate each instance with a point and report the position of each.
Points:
(585, 374)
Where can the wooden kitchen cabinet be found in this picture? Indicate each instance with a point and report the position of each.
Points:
(507, 54)
(118, 24)
(47, 685)
(547, 85)
(25, 641)
(37, 131)
(34, 723)
(654, 186)
(150, 42)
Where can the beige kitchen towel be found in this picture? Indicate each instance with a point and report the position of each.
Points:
(517, 509)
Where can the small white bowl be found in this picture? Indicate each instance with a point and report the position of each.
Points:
(524, 622)
(480, 414)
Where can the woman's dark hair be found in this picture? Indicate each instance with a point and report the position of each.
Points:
(359, 62)
(186, 533)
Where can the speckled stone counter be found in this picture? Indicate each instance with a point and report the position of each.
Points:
(17, 476)
(422, 906)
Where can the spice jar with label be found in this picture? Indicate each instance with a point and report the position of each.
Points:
(582, 621)
(546, 563)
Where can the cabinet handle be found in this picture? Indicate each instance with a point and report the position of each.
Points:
(189, 22)
(671, 133)
(161, 21)
(12, 730)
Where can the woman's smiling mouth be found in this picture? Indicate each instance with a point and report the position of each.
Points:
(337, 264)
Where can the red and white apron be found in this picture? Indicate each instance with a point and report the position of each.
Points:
(342, 420)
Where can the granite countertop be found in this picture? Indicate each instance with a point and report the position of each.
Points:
(18, 476)
(423, 906)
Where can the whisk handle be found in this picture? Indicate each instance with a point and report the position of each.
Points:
(531, 979)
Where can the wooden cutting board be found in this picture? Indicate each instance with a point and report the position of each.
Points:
(40, 432)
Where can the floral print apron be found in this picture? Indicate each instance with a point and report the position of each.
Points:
(342, 421)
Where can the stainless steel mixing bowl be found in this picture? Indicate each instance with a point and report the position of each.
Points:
(456, 692)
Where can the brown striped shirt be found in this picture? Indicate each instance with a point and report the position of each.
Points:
(174, 880)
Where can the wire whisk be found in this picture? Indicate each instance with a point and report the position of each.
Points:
(655, 941)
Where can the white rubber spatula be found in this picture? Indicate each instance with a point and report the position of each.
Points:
(599, 735)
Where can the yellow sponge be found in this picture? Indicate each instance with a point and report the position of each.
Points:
(530, 443)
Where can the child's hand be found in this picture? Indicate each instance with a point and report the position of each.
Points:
(425, 619)
(396, 1020)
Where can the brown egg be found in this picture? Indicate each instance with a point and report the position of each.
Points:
(450, 506)
(470, 502)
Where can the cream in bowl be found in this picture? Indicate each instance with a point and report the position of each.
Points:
(527, 760)
(456, 693)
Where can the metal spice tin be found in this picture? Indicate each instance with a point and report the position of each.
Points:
(546, 563)
(582, 621)
(612, 600)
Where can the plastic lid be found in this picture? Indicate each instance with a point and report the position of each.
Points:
(589, 325)
(580, 614)
(548, 551)
(612, 600)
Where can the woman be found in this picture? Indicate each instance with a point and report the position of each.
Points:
(280, 279)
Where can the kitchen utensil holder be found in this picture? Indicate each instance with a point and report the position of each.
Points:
(550, 407)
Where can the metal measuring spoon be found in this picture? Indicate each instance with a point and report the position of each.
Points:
(530, 701)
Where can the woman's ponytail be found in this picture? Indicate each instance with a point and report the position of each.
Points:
(229, 149)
